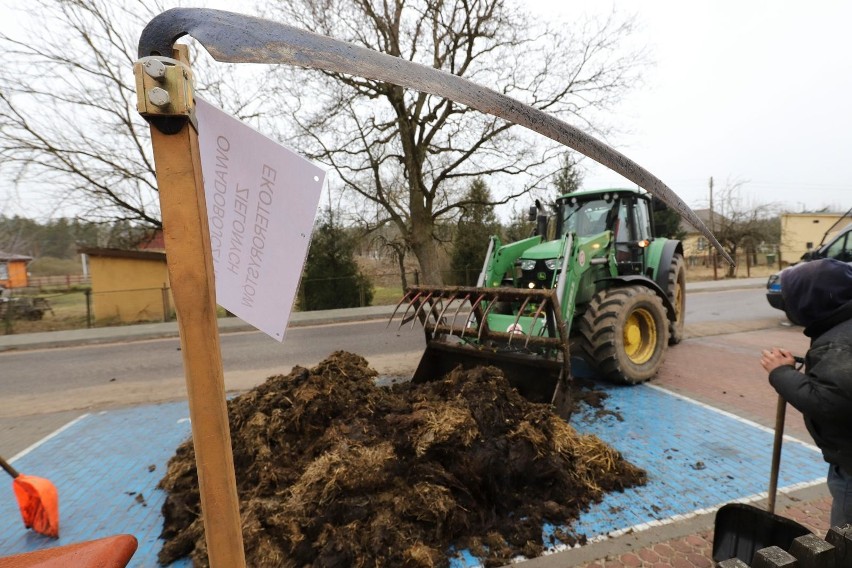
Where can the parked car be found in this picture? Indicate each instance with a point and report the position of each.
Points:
(840, 247)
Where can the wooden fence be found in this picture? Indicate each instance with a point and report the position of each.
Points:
(66, 280)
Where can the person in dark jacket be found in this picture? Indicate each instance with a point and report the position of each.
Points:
(818, 296)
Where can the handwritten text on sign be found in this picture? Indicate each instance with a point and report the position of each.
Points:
(261, 205)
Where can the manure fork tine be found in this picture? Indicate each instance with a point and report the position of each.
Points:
(553, 315)
(535, 318)
(411, 303)
(458, 309)
(517, 319)
(485, 316)
(450, 300)
(433, 308)
(405, 297)
(467, 318)
(419, 308)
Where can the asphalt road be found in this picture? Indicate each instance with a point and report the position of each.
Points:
(730, 306)
(39, 372)
(42, 389)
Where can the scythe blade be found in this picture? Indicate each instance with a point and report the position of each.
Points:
(236, 38)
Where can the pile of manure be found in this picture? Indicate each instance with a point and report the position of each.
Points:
(333, 470)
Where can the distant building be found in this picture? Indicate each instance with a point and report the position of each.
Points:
(13, 270)
(695, 245)
(129, 285)
(801, 232)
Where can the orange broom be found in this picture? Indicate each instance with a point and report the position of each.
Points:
(37, 499)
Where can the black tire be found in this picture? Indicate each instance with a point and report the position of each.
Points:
(625, 333)
(676, 291)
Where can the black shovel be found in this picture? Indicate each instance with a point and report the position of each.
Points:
(741, 530)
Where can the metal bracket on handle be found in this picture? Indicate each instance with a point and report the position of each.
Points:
(164, 92)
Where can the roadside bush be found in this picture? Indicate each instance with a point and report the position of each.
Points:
(332, 278)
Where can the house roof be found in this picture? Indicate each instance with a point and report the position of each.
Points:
(704, 215)
(121, 253)
(7, 256)
(154, 240)
(815, 214)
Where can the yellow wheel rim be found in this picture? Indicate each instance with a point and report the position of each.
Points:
(640, 336)
(678, 302)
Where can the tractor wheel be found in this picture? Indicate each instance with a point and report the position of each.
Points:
(676, 291)
(625, 333)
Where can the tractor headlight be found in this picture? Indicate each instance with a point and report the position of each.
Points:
(551, 263)
(527, 264)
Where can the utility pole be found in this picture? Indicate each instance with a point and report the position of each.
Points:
(713, 230)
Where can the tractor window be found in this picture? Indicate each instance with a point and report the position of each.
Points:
(586, 217)
(643, 224)
(622, 226)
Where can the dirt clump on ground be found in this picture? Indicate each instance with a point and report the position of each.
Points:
(333, 470)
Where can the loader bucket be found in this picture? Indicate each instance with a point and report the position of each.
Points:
(461, 326)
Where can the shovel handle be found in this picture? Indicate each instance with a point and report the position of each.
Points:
(9, 469)
(780, 413)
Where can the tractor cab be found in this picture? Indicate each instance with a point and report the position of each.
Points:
(623, 212)
(616, 221)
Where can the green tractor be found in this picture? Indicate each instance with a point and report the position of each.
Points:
(603, 289)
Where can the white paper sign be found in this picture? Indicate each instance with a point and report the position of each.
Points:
(261, 205)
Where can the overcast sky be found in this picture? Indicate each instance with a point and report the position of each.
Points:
(752, 91)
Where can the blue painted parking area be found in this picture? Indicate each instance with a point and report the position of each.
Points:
(106, 466)
(697, 458)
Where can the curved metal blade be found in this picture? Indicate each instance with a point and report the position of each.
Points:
(236, 38)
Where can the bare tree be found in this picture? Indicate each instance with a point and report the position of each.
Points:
(68, 123)
(741, 225)
(410, 155)
(397, 249)
(68, 120)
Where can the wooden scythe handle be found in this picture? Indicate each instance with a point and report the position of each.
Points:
(190, 264)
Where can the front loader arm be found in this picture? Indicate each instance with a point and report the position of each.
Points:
(503, 259)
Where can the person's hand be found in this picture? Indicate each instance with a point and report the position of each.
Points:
(776, 357)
